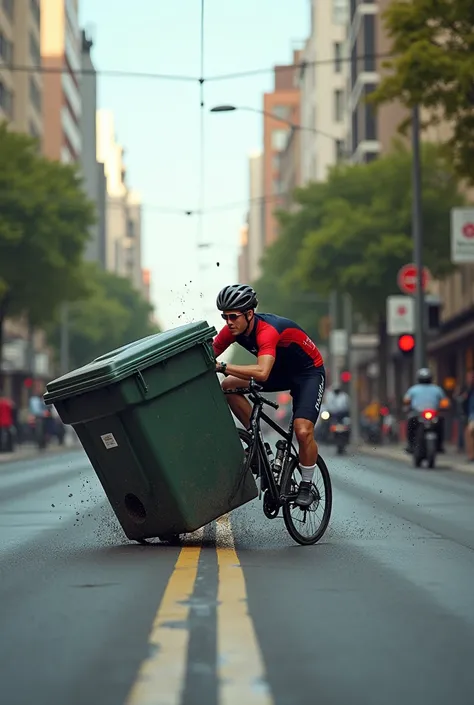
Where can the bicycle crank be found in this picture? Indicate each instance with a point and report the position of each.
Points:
(270, 507)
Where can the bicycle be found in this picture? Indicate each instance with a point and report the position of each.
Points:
(278, 482)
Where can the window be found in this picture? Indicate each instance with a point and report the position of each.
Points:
(35, 94)
(340, 148)
(281, 112)
(35, 52)
(338, 106)
(276, 186)
(370, 119)
(130, 229)
(337, 57)
(6, 49)
(276, 162)
(8, 7)
(339, 11)
(279, 140)
(6, 99)
(370, 157)
(369, 43)
(36, 10)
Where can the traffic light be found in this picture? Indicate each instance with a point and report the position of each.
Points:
(345, 377)
(406, 344)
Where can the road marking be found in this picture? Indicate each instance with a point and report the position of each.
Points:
(161, 678)
(240, 667)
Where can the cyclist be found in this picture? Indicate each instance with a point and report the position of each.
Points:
(287, 359)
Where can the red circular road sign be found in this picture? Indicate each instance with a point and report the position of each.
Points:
(407, 278)
(468, 230)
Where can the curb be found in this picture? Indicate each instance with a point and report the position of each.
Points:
(400, 456)
(17, 456)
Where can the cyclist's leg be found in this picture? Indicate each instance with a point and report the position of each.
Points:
(307, 395)
(239, 405)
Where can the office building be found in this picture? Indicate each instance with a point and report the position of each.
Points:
(61, 42)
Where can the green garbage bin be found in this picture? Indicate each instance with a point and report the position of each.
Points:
(156, 427)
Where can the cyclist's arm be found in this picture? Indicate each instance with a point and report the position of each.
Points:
(222, 341)
(267, 340)
(259, 372)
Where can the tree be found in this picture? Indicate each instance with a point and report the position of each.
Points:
(44, 221)
(362, 233)
(433, 66)
(306, 308)
(113, 314)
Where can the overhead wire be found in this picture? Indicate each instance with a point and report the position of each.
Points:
(196, 79)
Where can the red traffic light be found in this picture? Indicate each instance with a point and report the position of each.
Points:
(345, 377)
(28, 382)
(406, 343)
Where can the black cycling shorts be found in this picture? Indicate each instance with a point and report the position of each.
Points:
(307, 390)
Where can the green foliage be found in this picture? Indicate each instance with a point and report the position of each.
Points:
(44, 221)
(295, 303)
(433, 65)
(112, 315)
(354, 231)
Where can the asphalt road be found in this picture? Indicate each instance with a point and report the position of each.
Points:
(381, 612)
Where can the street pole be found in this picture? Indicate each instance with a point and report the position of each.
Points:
(417, 233)
(333, 327)
(64, 357)
(352, 367)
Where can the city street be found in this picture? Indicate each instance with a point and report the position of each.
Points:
(381, 612)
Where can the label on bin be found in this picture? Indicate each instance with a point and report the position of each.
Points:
(109, 441)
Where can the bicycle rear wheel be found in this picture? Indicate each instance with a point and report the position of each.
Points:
(307, 516)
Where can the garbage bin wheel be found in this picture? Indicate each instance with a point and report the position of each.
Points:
(170, 538)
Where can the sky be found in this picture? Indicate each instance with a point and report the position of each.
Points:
(158, 123)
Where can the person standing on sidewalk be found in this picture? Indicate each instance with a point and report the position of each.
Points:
(466, 398)
(6, 421)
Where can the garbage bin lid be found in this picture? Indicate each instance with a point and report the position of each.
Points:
(125, 361)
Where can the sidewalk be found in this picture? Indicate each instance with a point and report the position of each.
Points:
(27, 451)
(451, 460)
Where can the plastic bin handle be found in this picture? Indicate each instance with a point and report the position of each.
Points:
(142, 385)
(209, 352)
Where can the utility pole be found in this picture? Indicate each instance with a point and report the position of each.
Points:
(417, 234)
(64, 356)
(352, 367)
(333, 301)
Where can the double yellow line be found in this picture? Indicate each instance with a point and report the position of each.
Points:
(240, 668)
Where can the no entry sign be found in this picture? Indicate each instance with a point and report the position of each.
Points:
(406, 279)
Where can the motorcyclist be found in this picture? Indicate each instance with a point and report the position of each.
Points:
(420, 397)
(337, 402)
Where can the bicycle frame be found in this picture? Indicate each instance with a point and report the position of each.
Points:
(258, 445)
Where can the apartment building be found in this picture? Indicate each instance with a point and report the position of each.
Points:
(371, 135)
(21, 92)
(280, 106)
(61, 41)
(123, 207)
(92, 170)
(243, 268)
(323, 81)
(290, 168)
(256, 214)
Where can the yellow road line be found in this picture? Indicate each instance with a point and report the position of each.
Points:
(240, 667)
(161, 678)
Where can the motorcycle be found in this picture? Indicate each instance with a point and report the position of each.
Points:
(426, 438)
(341, 431)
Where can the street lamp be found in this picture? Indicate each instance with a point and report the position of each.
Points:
(294, 126)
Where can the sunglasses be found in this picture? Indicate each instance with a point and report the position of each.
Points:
(231, 316)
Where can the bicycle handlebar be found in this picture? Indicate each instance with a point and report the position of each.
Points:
(254, 390)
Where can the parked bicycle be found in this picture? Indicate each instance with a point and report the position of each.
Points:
(279, 480)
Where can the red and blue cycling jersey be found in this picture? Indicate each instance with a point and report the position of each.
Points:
(285, 340)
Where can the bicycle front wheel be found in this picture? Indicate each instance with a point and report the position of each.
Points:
(307, 525)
